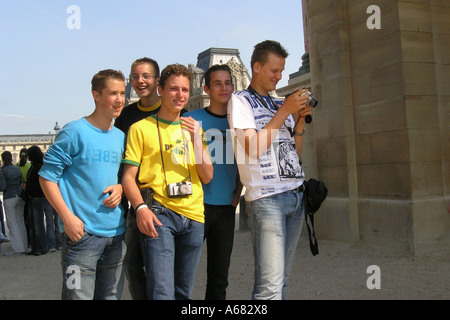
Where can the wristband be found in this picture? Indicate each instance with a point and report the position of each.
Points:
(299, 134)
(139, 206)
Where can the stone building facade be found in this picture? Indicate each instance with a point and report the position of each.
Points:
(14, 143)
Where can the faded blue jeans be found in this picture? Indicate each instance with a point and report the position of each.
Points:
(172, 258)
(92, 267)
(276, 225)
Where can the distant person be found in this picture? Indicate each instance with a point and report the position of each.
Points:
(10, 181)
(222, 194)
(144, 79)
(269, 136)
(80, 179)
(165, 163)
(3, 237)
(41, 212)
(25, 165)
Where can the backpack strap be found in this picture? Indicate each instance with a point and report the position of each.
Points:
(309, 218)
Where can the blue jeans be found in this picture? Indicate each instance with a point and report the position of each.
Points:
(172, 258)
(92, 267)
(134, 262)
(276, 225)
(42, 236)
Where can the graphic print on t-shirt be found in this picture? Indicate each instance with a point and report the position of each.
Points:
(288, 165)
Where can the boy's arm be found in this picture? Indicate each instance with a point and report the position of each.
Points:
(256, 143)
(205, 169)
(73, 226)
(203, 163)
(145, 218)
(237, 192)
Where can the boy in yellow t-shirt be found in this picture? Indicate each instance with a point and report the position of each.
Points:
(165, 153)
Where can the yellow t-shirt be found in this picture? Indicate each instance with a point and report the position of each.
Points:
(144, 150)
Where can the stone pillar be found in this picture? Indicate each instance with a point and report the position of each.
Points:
(305, 25)
(381, 131)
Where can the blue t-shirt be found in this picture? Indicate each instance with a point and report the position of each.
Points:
(84, 160)
(220, 191)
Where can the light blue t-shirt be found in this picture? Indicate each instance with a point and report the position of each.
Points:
(220, 191)
(84, 160)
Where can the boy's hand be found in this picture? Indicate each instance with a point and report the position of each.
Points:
(297, 103)
(146, 221)
(74, 228)
(192, 126)
(115, 196)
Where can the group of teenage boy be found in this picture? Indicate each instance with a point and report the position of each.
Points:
(139, 190)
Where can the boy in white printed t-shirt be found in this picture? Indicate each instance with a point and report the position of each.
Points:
(269, 137)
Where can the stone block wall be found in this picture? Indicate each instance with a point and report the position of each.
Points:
(381, 132)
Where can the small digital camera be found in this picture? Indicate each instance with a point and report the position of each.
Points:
(311, 102)
(179, 189)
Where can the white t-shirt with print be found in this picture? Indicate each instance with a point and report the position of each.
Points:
(278, 169)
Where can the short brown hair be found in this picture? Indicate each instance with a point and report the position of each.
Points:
(262, 50)
(99, 79)
(174, 69)
(146, 60)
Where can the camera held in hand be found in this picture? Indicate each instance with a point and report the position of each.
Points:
(311, 102)
(179, 189)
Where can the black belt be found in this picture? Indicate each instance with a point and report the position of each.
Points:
(299, 189)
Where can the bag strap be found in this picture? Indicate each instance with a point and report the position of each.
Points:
(313, 245)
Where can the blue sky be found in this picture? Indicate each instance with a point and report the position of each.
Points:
(46, 68)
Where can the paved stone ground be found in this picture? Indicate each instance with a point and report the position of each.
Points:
(339, 272)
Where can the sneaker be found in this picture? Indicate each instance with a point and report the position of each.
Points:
(4, 239)
(52, 250)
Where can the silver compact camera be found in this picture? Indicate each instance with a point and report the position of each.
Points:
(311, 102)
(179, 189)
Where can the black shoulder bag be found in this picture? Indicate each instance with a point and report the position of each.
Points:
(313, 196)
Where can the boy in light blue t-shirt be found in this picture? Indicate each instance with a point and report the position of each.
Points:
(222, 194)
(80, 179)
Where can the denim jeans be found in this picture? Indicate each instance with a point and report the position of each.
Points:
(219, 235)
(93, 267)
(276, 225)
(171, 259)
(134, 262)
(43, 235)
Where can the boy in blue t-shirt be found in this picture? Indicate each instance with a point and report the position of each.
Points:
(222, 194)
(80, 179)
